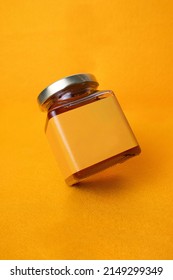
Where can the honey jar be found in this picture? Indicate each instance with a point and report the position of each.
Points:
(86, 127)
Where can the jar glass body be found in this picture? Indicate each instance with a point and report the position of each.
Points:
(88, 133)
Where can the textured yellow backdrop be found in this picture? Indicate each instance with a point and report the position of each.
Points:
(125, 212)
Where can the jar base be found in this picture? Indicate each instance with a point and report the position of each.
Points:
(91, 170)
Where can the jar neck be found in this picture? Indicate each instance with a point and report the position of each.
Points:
(68, 95)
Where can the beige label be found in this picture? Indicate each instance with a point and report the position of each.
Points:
(89, 134)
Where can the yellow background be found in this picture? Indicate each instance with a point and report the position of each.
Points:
(125, 212)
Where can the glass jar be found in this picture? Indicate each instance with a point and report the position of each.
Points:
(86, 127)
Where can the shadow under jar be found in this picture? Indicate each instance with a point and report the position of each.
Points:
(86, 127)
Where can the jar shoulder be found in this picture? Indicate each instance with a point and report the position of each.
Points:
(75, 103)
